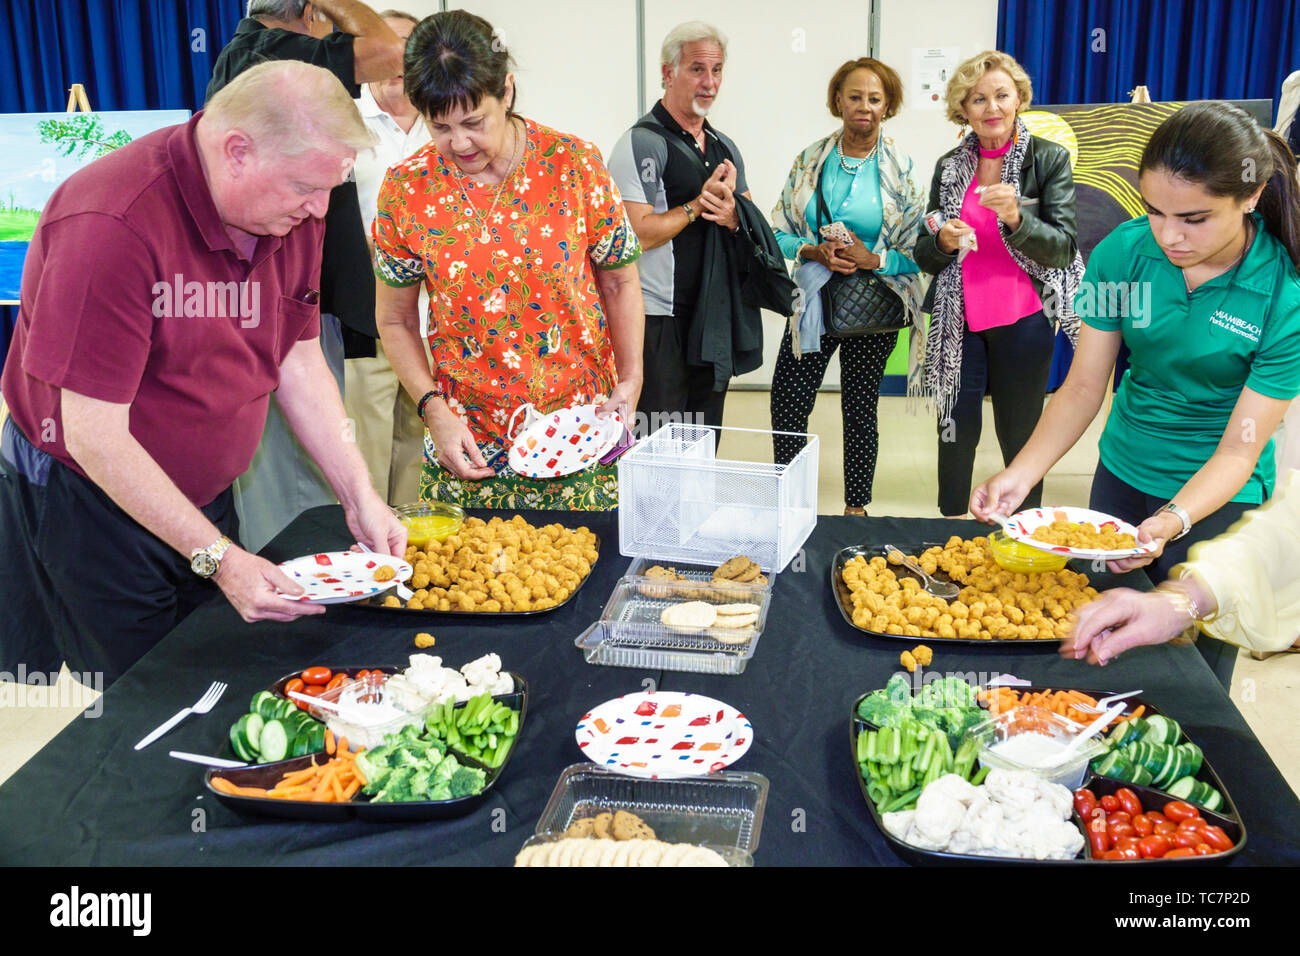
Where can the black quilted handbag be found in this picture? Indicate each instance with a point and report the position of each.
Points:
(858, 303)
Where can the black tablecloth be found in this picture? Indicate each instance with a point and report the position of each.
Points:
(88, 798)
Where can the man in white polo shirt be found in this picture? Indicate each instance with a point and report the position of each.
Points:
(387, 428)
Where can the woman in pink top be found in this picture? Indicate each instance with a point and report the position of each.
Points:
(1006, 268)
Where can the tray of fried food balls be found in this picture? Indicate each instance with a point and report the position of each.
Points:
(994, 605)
(504, 567)
(698, 618)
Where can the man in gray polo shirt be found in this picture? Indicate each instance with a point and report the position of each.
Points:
(679, 176)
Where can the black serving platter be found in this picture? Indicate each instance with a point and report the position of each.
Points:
(1151, 799)
(277, 688)
(360, 807)
(376, 602)
(844, 598)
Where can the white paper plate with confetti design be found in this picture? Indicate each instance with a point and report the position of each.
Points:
(664, 734)
(337, 577)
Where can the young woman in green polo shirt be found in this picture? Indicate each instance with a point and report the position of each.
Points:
(1204, 290)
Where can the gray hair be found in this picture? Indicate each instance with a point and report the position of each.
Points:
(693, 31)
(289, 10)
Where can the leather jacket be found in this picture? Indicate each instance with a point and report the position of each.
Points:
(1048, 230)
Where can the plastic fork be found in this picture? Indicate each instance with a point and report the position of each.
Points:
(201, 706)
(1105, 702)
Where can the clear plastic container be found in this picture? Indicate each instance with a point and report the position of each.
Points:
(1023, 558)
(631, 632)
(679, 502)
(355, 695)
(749, 591)
(723, 811)
(428, 521)
(1029, 720)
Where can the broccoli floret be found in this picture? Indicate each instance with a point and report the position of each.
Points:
(375, 772)
(446, 767)
(397, 788)
(466, 781)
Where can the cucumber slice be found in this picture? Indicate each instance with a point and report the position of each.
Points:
(1175, 768)
(301, 745)
(244, 736)
(1214, 801)
(316, 737)
(1194, 757)
(274, 741)
(262, 699)
(1162, 730)
(1114, 764)
(1141, 776)
(1182, 789)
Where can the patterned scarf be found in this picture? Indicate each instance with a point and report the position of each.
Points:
(942, 372)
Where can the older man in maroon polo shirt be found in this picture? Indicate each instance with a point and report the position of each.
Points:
(170, 286)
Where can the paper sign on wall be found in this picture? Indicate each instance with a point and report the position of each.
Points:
(931, 68)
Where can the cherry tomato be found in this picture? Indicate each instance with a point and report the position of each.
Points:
(294, 685)
(1121, 830)
(313, 690)
(1128, 801)
(1166, 827)
(1109, 804)
(336, 681)
(1085, 801)
(1181, 851)
(1130, 853)
(362, 674)
(1153, 847)
(1097, 835)
(301, 704)
(1186, 838)
(1119, 816)
(1144, 825)
(1216, 838)
(317, 675)
(1192, 823)
(1204, 849)
(1127, 843)
(1179, 810)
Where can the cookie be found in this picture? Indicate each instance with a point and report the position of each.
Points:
(735, 610)
(734, 622)
(689, 616)
(605, 852)
(622, 852)
(702, 856)
(581, 829)
(600, 826)
(651, 853)
(733, 568)
(527, 855)
(626, 825)
(673, 855)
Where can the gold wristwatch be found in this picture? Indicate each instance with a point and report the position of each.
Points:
(205, 561)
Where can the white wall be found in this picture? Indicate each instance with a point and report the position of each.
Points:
(576, 66)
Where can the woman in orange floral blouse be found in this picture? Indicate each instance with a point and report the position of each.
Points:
(520, 237)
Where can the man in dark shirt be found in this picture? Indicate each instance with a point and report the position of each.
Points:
(673, 192)
(282, 481)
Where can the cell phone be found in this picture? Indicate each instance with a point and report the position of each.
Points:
(836, 232)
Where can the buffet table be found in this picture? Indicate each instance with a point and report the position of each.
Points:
(88, 799)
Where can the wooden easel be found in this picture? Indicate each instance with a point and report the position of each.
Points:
(77, 99)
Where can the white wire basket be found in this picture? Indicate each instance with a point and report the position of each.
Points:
(679, 502)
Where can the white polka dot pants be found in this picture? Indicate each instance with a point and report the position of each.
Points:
(794, 392)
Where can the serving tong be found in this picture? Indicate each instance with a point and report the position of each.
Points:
(940, 589)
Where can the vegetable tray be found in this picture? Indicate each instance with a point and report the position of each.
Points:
(1150, 797)
(360, 807)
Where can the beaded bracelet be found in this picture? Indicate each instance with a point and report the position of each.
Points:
(432, 393)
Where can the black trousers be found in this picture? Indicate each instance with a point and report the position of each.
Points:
(794, 392)
(675, 392)
(82, 582)
(1011, 364)
(1116, 497)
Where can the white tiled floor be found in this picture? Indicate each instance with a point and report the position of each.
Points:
(905, 484)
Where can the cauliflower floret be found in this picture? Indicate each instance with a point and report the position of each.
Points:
(898, 823)
(938, 813)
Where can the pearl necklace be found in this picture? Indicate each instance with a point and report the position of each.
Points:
(485, 236)
(853, 170)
